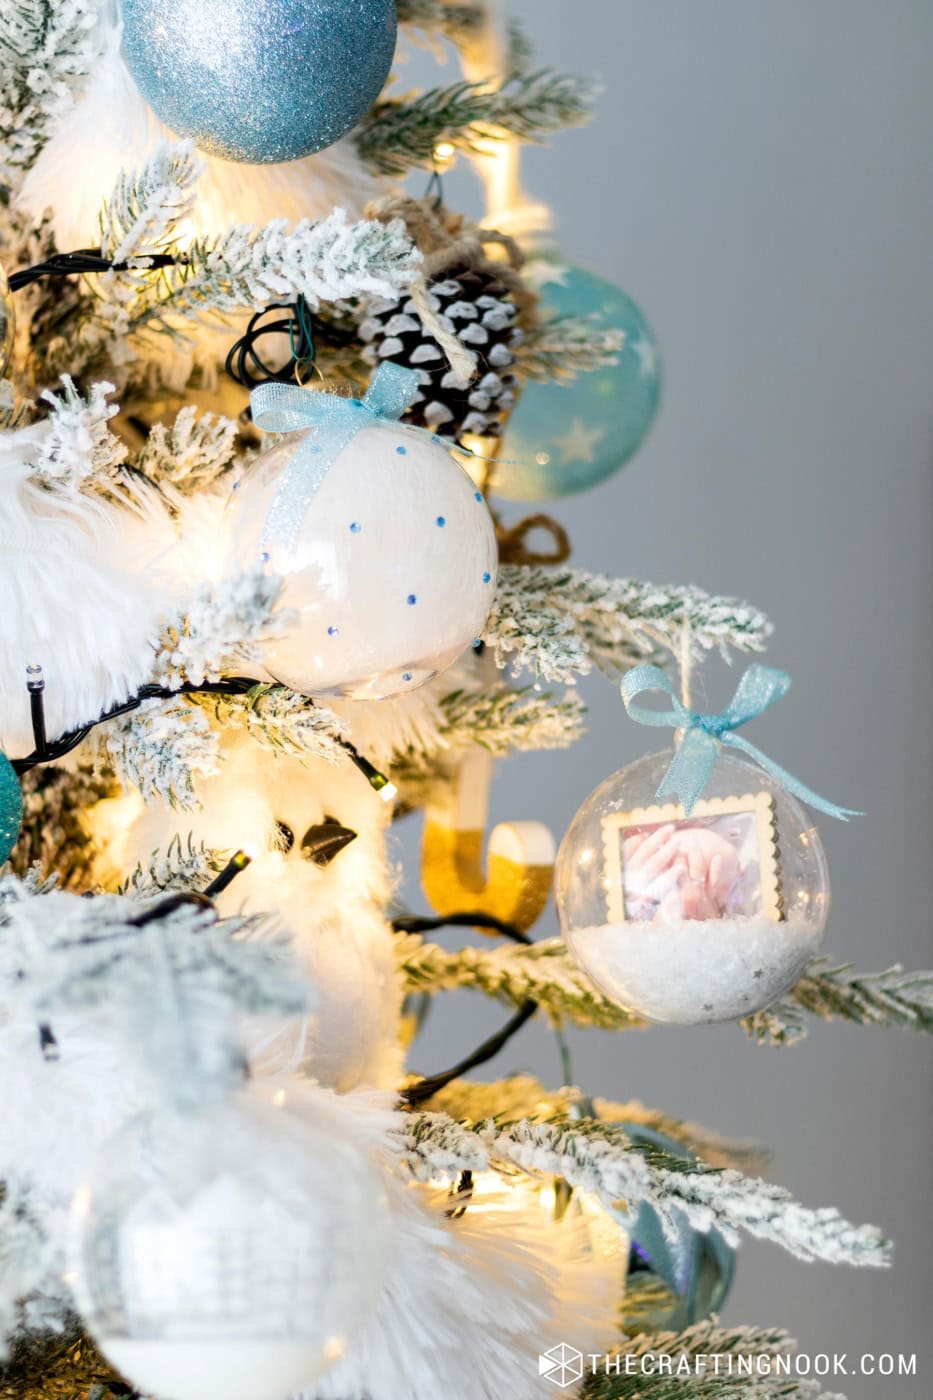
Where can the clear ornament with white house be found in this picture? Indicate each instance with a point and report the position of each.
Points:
(210, 1255)
(387, 547)
(692, 886)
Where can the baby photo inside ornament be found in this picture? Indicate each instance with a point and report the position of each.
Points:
(718, 863)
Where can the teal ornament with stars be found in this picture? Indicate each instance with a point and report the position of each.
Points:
(567, 437)
(11, 807)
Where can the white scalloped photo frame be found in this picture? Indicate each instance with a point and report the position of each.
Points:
(759, 805)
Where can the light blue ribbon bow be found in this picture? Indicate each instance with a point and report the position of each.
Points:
(286, 408)
(704, 735)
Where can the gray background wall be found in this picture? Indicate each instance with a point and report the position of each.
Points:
(759, 180)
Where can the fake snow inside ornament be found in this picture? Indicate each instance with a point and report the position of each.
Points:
(387, 547)
(228, 1255)
(563, 438)
(689, 919)
(259, 80)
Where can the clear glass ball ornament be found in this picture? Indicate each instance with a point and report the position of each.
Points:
(693, 919)
(228, 1255)
(391, 574)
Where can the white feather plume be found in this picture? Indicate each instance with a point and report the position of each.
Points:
(334, 913)
(470, 1298)
(82, 586)
(112, 128)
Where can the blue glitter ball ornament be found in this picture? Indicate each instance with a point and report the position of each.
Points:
(563, 438)
(11, 807)
(263, 81)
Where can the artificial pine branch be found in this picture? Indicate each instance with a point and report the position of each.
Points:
(183, 865)
(45, 50)
(523, 1096)
(169, 977)
(280, 720)
(398, 135)
(458, 20)
(543, 972)
(54, 835)
(159, 749)
(559, 621)
(890, 998)
(708, 1362)
(220, 626)
(559, 349)
(80, 450)
(192, 454)
(594, 1156)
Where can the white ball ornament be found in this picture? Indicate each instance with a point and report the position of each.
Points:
(691, 919)
(387, 548)
(228, 1255)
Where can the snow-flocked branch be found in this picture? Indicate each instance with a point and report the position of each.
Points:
(220, 626)
(45, 50)
(707, 1362)
(398, 134)
(593, 1156)
(160, 750)
(890, 998)
(543, 971)
(558, 621)
(327, 260)
(523, 1096)
(280, 720)
(192, 454)
(168, 979)
(79, 449)
(183, 865)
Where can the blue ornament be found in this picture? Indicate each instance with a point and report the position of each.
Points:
(563, 438)
(11, 807)
(695, 1268)
(260, 81)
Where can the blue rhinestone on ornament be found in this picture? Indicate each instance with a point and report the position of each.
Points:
(440, 522)
(477, 495)
(402, 451)
(412, 599)
(406, 675)
(355, 527)
(487, 578)
(333, 631)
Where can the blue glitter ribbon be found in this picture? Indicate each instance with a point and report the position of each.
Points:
(704, 735)
(285, 408)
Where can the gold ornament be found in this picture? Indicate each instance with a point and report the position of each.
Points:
(516, 883)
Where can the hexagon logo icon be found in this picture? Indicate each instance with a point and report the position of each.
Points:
(561, 1365)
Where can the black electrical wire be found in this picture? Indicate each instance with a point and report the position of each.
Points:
(416, 923)
(244, 363)
(82, 261)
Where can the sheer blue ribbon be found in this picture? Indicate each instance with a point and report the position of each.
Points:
(704, 735)
(286, 408)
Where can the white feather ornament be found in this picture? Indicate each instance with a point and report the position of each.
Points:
(268, 803)
(471, 1297)
(82, 587)
(112, 128)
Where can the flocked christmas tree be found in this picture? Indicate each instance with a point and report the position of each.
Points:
(242, 631)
